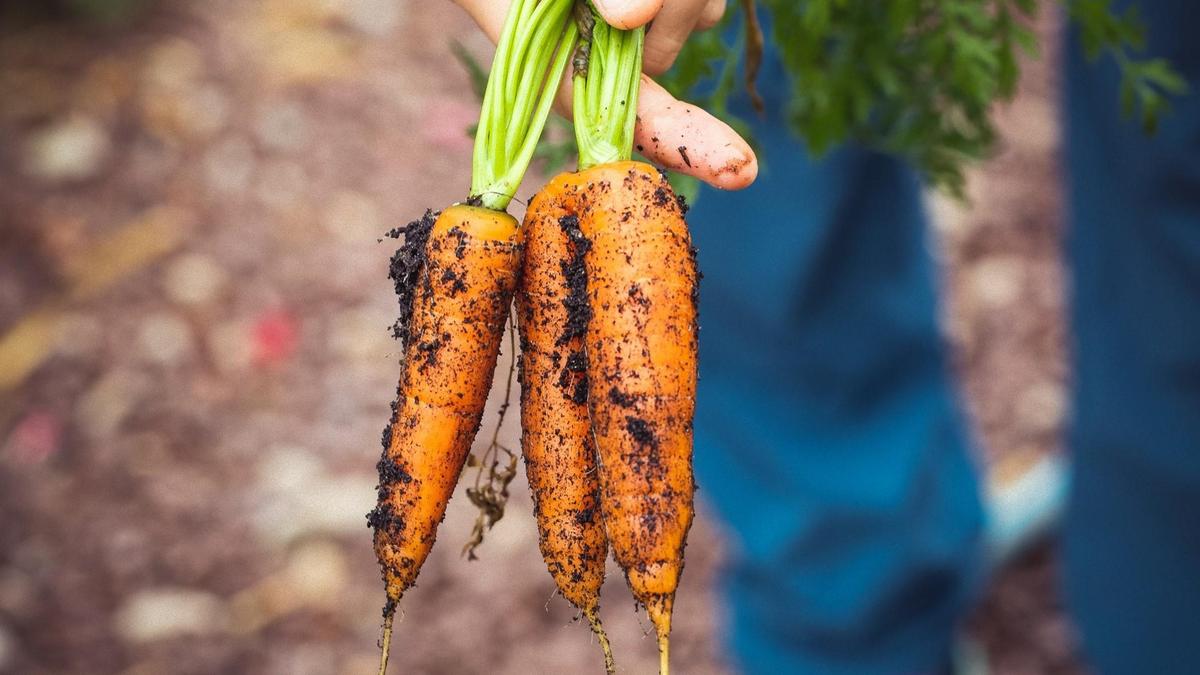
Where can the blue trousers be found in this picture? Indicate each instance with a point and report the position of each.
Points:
(828, 434)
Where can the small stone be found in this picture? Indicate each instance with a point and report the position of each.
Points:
(194, 279)
(950, 217)
(164, 613)
(287, 469)
(229, 165)
(317, 573)
(353, 218)
(205, 111)
(232, 346)
(338, 505)
(373, 17)
(997, 281)
(69, 150)
(293, 43)
(196, 112)
(283, 126)
(361, 335)
(303, 659)
(323, 504)
(173, 64)
(165, 338)
(106, 405)
(282, 184)
(79, 335)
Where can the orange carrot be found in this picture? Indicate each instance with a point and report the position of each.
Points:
(456, 276)
(641, 345)
(458, 284)
(556, 439)
(642, 349)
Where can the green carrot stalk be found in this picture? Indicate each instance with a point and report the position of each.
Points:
(535, 45)
(605, 86)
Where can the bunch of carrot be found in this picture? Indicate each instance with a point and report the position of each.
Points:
(605, 282)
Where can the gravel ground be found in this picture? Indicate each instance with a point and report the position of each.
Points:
(196, 366)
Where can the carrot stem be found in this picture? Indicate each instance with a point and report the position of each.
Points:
(606, 92)
(535, 43)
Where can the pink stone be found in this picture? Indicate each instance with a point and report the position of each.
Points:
(35, 438)
(275, 338)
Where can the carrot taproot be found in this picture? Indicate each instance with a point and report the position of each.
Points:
(641, 339)
(556, 437)
(642, 358)
(640, 347)
(456, 276)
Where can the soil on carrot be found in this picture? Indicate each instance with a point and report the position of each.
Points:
(641, 431)
(579, 311)
(406, 266)
(404, 269)
(617, 397)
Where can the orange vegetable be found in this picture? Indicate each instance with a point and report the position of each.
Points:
(556, 437)
(641, 350)
(455, 277)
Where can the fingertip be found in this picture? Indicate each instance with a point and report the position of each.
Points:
(685, 138)
(736, 174)
(628, 14)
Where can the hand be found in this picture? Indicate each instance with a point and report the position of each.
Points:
(670, 132)
(674, 21)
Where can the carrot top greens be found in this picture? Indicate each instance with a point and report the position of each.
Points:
(916, 78)
(533, 50)
(608, 69)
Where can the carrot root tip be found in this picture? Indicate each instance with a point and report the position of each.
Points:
(386, 645)
(664, 652)
(610, 663)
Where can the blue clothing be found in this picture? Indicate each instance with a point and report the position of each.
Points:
(827, 431)
(1132, 537)
(828, 437)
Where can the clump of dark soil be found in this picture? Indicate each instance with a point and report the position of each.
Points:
(406, 265)
(641, 432)
(579, 313)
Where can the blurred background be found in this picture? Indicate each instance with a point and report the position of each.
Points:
(195, 362)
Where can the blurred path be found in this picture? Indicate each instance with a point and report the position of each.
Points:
(195, 365)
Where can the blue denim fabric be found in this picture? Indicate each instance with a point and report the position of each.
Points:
(1133, 522)
(828, 437)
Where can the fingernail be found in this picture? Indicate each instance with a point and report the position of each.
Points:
(626, 14)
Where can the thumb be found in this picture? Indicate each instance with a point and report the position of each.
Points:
(627, 14)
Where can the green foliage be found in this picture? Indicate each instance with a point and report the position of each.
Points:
(1145, 84)
(912, 77)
